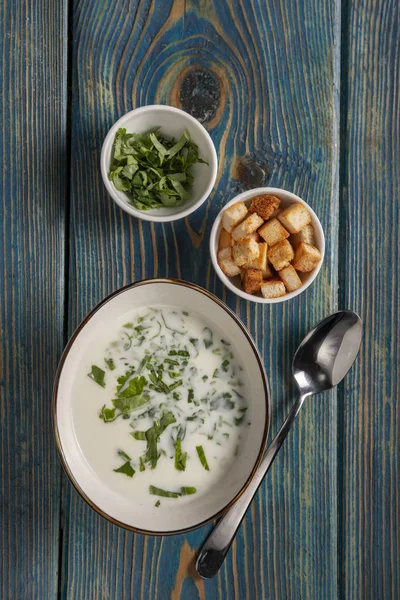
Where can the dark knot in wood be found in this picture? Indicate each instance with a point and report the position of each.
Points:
(200, 93)
(251, 173)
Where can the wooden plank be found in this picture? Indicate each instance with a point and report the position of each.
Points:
(370, 429)
(268, 94)
(33, 194)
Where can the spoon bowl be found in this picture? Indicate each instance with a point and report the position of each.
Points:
(327, 353)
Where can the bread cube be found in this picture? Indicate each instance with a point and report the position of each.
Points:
(264, 205)
(267, 272)
(306, 257)
(280, 255)
(276, 213)
(295, 217)
(306, 235)
(233, 215)
(225, 240)
(273, 232)
(245, 251)
(273, 288)
(290, 278)
(256, 236)
(226, 262)
(247, 227)
(252, 280)
(261, 262)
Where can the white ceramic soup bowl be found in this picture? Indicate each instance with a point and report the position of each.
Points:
(139, 515)
(234, 283)
(172, 122)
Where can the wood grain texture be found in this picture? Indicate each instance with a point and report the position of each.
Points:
(369, 266)
(278, 112)
(33, 194)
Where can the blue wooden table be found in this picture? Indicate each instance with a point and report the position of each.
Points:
(299, 94)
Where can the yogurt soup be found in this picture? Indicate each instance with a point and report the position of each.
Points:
(160, 409)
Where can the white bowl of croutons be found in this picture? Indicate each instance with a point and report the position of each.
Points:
(267, 245)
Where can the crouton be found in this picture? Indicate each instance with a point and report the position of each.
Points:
(252, 280)
(306, 257)
(306, 235)
(227, 264)
(264, 205)
(273, 288)
(233, 215)
(276, 213)
(225, 240)
(280, 255)
(295, 217)
(261, 261)
(245, 251)
(267, 272)
(247, 227)
(290, 278)
(256, 236)
(273, 232)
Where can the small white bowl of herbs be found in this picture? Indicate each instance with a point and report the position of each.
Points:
(158, 163)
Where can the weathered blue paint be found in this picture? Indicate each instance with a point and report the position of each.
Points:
(32, 217)
(325, 523)
(270, 75)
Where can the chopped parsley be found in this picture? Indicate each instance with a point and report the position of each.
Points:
(124, 455)
(188, 491)
(157, 381)
(202, 457)
(180, 457)
(170, 361)
(171, 328)
(139, 435)
(208, 337)
(154, 171)
(134, 387)
(127, 405)
(148, 389)
(129, 397)
(98, 375)
(124, 378)
(153, 435)
(179, 353)
(185, 491)
(110, 363)
(108, 414)
(156, 491)
(126, 469)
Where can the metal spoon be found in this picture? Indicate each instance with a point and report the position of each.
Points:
(321, 361)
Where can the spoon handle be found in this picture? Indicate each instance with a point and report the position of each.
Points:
(216, 546)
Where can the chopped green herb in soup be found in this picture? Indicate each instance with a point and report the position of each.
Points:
(168, 414)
